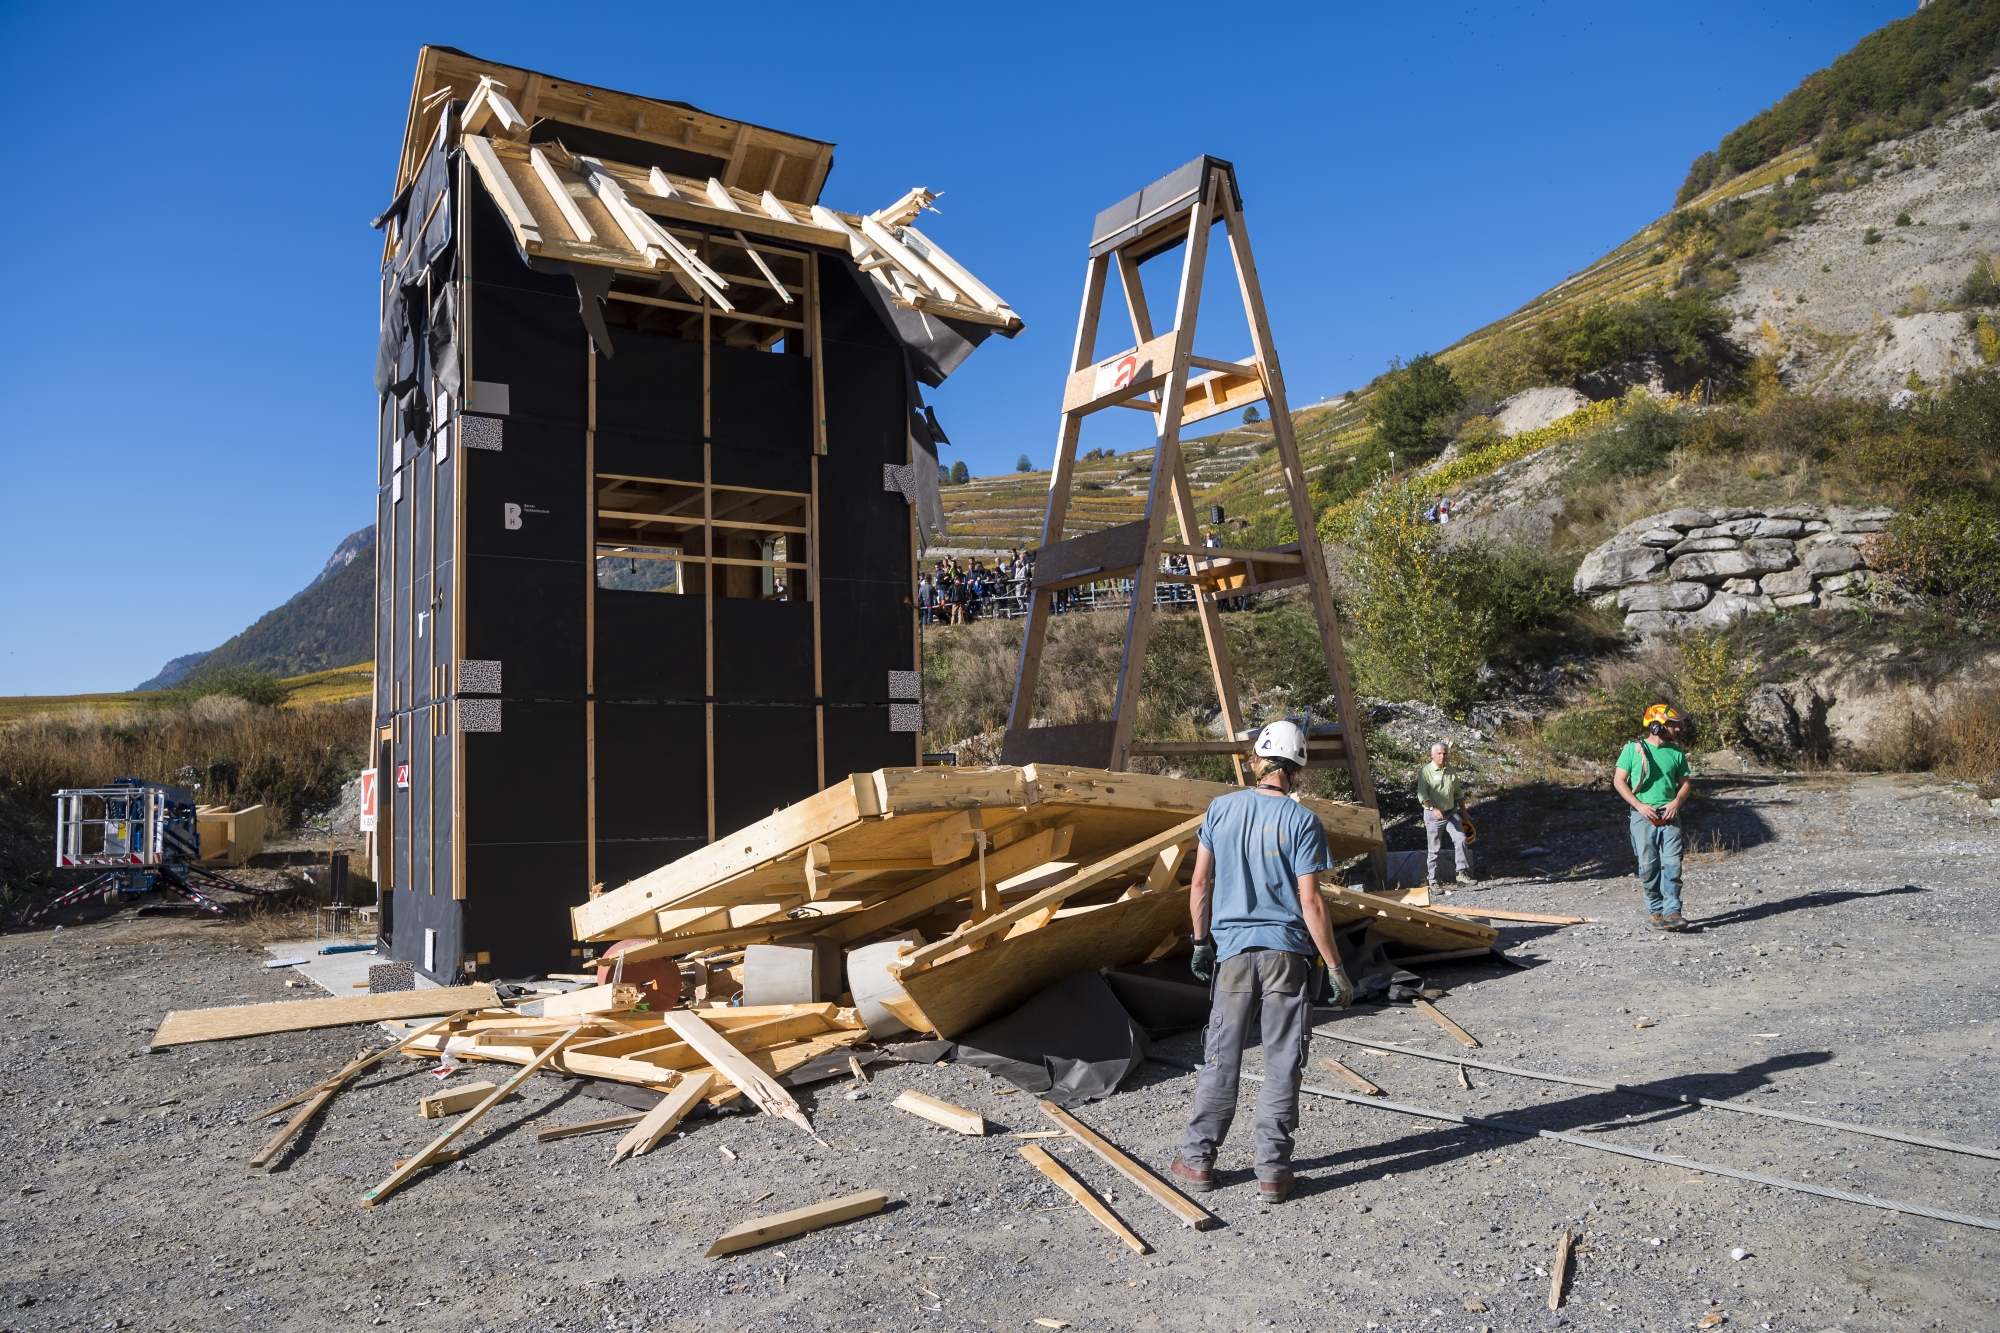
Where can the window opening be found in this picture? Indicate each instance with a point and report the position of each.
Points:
(652, 537)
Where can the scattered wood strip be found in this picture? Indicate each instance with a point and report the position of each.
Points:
(1352, 1079)
(401, 1175)
(1492, 914)
(1430, 1011)
(256, 1020)
(335, 1080)
(812, 1217)
(660, 1121)
(1070, 1185)
(439, 1105)
(590, 1127)
(941, 1113)
(1191, 1214)
(1559, 1268)
(754, 1083)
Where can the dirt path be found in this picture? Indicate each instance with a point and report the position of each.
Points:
(1845, 967)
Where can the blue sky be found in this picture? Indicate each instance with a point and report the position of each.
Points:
(186, 418)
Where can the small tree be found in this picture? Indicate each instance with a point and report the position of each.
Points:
(1022, 464)
(1416, 601)
(1410, 408)
(1715, 688)
(1251, 416)
(960, 473)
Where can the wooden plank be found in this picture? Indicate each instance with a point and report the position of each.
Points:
(1039, 1159)
(755, 1084)
(1184, 1209)
(1560, 1268)
(527, 233)
(1431, 1012)
(1096, 874)
(397, 1178)
(558, 190)
(956, 996)
(941, 1113)
(605, 999)
(927, 894)
(1421, 926)
(628, 910)
(1490, 914)
(355, 1067)
(256, 1020)
(441, 1104)
(660, 1121)
(1353, 1080)
(812, 1217)
(1126, 375)
(590, 1127)
(316, 1102)
(1108, 553)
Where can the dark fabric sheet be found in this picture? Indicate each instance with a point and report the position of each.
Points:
(1161, 997)
(1073, 1043)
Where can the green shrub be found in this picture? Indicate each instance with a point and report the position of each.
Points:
(1415, 599)
(1873, 236)
(1412, 402)
(1715, 689)
(1604, 334)
(250, 684)
(1948, 553)
(1642, 442)
(1981, 287)
(1599, 728)
(1524, 588)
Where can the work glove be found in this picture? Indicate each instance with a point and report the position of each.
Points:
(1203, 962)
(1341, 985)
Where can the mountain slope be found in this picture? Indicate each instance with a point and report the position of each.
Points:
(329, 623)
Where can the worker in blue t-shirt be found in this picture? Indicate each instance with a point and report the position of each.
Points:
(1260, 927)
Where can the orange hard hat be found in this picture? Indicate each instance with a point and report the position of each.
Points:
(1660, 713)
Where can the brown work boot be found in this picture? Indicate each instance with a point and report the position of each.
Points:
(1657, 922)
(1674, 922)
(1276, 1191)
(1201, 1182)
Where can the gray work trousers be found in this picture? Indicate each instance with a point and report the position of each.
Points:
(1437, 827)
(1269, 985)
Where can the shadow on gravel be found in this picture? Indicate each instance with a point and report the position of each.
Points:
(1803, 902)
(1585, 1112)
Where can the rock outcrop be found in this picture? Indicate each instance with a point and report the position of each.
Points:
(1702, 568)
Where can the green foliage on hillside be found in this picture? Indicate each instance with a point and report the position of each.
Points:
(1678, 327)
(1896, 80)
(250, 684)
(330, 624)
(1412, 402)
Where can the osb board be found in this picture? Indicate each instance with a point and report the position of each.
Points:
(255, 1020)
(965, 992)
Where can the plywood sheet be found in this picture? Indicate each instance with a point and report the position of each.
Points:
(253, 1020)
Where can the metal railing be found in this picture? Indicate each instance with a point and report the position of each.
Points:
(1008, 600)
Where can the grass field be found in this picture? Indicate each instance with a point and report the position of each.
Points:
(319, 687)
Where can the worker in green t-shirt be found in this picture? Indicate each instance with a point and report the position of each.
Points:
(1652, 777)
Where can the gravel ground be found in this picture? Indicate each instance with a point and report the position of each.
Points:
(1844, 967)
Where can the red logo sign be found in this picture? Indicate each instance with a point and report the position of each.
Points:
(403, 776)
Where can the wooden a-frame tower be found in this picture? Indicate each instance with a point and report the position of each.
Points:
(1161, 374)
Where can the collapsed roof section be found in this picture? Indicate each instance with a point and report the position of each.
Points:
(584, 175)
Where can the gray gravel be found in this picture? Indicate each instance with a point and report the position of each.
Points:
(1844, 967)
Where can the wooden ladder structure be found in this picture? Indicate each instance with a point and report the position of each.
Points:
(1161, 374)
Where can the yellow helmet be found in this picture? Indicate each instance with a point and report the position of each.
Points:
(1660, 713)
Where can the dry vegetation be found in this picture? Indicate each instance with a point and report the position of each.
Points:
(290, 760)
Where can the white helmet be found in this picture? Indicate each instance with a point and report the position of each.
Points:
(1283, 739)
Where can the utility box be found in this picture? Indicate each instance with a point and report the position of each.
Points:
(652, 461)
(229, 837)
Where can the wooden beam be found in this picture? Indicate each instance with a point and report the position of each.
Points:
(341, 1076)
(1560, 1268)
(660, 1121)
(1070, 1185)
(926, 895)
(778, 1226)
(257, 1020)
(718, 194)
(590, 1127)
(1431, 1012)
(1545, 918)
(1115, 864)
(754, 1083)
(1352, 1079)
(941, 1113)
(527, 232)
(396, 1179)
(558, 190)
(1185, 1210)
